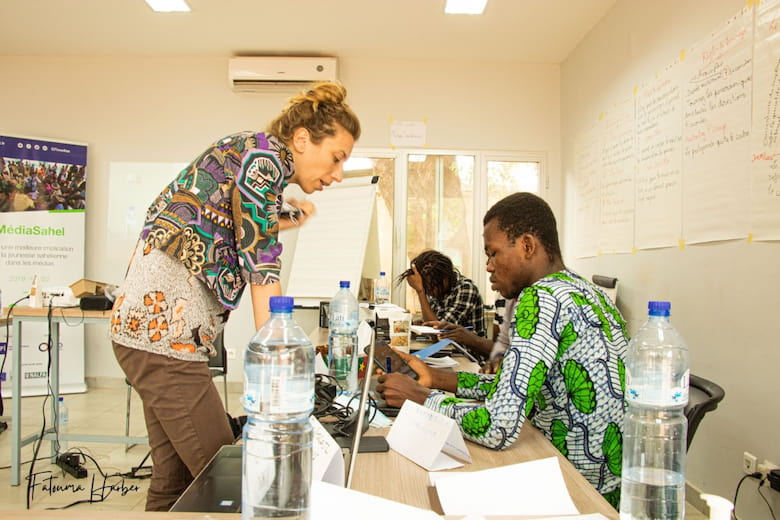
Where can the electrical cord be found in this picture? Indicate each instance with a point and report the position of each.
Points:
(39, 440)
(771, 511)
(756, 476)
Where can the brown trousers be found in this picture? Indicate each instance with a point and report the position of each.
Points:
(185, 419)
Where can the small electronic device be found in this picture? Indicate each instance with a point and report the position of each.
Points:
(388, 360)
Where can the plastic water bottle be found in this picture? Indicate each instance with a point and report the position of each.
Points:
(381, 289)
(655, 427)
(62, 423)
(342, 338)
(278, 400)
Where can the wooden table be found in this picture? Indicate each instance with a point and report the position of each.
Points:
(59, 315)
(391, 475)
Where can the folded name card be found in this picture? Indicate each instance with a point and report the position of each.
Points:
(428, 438)
(327, 461)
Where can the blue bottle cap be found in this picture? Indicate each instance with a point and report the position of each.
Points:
(344, 283)
(381, 273)
(281, 303)
(658, 308)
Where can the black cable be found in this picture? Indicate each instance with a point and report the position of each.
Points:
(736, 493)
(39, 440)
(771, 511)
(25, 462)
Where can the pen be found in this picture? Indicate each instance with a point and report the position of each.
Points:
(388, 364)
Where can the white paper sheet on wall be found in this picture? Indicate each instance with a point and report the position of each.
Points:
(765, 152)
(718, 81)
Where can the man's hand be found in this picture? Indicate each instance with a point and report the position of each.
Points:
(454, 332)
(396, 388)
(415, 281)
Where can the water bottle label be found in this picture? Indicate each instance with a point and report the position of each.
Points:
(279, 392)
(639, 392)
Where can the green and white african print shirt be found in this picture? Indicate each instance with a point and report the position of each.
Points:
(563, 370)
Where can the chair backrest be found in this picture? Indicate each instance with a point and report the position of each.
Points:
(219, 362)
(703, 397)
(608, 283)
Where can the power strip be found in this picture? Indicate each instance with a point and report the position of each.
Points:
(70, 464)
(774, 479)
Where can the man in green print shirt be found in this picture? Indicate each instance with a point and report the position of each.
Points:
(563, 370)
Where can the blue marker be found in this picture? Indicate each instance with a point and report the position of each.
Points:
(388, 364)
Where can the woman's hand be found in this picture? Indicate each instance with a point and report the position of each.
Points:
(306, 208)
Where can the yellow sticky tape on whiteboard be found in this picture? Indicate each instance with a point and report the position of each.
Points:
(750, 238)
(634, 250)
(681, 243)
(682, 55)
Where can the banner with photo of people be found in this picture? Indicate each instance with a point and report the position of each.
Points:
(43, 186)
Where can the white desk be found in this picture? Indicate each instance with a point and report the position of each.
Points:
(70, 315)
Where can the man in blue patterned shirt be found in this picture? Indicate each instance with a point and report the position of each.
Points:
(563, 370)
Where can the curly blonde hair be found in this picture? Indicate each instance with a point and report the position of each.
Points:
(318, 109)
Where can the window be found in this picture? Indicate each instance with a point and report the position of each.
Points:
(436, 200)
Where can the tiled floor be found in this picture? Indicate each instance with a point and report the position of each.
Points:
(100, 411)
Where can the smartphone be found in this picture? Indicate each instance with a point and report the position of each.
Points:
(385, 357)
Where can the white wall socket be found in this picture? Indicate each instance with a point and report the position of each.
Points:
(231, 353)
(749, 463)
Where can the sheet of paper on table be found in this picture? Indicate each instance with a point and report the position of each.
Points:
(329, 502)
(534, 488)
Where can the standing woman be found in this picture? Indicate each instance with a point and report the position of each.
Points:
(212, 231)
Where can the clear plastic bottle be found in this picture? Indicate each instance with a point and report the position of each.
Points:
(342, 338)
(278, 400)
(381, 289)
(62, 423)
(655, 427)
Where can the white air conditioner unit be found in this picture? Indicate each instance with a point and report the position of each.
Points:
(252, 73)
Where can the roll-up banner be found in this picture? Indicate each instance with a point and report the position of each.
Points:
(43, 186)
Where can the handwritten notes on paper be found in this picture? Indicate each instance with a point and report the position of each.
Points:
(427, 438)
(706, 161)
(327, 462)
(408, 133)
(765, 152)
(617, 178)
(718, 80)
(659, 160)
(586, 186)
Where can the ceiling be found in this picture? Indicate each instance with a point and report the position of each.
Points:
(526, 31)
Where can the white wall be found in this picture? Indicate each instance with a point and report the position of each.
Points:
(165, 109)
(724, 295)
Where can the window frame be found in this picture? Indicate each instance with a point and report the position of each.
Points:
(481, 160)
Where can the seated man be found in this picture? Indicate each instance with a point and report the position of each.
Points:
(444, 293)
(563, 369)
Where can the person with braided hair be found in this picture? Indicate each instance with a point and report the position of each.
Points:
(445, 295)
(212, 232)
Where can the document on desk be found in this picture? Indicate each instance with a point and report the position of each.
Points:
(428, 438)
(327, 461)
(329, 502)
(534, 488)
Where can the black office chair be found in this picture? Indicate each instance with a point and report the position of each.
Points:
(608, 283)
(703, 397)
(217, 367)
